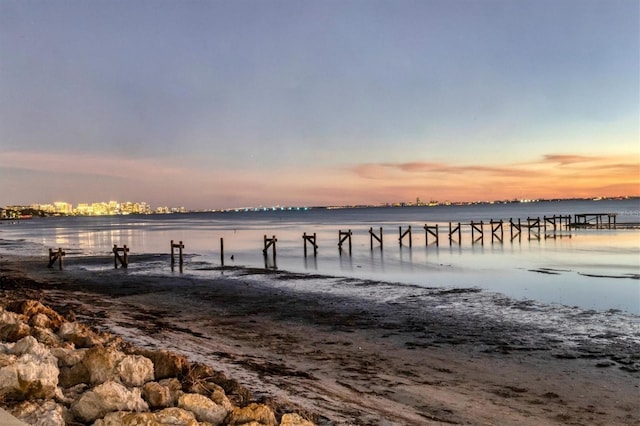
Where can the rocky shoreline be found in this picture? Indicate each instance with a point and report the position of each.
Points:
(56, 371)
(336, 356)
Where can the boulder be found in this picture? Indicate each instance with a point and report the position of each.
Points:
(45, 413)
(205, 409)
(102, 363)
(162, 395)
(176, 416)
(219, 397)
(34, 374)
(165, 364)
(14, 332)
(7, 359)
(79, 334)
(7, 317)
(46, 336)
(135, 370)
(68, 357)
(71, 376)
(40, 320)
(169, 416)
(106, 398)
(32, 308)
(294, 419)
(253, 413)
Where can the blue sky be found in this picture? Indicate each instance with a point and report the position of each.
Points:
(238, 103)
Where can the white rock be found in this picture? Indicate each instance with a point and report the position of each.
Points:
(46, 413)
(68, 357)
(105, 398)
(34, 374)
(169, 417)
(135, 370)
(29, 345)
(7, 317)
(205, 409)
(79, 334)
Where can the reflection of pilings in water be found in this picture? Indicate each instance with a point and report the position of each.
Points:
(314, 261)
(373, 263)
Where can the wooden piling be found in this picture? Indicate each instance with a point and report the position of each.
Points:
(402, 235)
(56, 255)
(180, 247)
(342, 236)
(222, 252)
(373, 235)
(433, 230)
(533, 222)
(270, 243)
(517, 227)
(124, 259)
(495, 226)
(310, 239)
(453, 230)
(477, 227)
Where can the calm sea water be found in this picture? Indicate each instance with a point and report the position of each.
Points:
(590, 268)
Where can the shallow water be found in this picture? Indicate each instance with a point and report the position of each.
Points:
(589, 268)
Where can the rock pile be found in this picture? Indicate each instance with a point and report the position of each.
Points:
(56, 372)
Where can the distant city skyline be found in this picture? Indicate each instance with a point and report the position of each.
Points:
(282, 102)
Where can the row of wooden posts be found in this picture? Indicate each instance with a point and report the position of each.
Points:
(533, 225)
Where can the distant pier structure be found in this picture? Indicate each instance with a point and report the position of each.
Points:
(537, 228)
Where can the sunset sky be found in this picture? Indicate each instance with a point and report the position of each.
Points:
(216, 104)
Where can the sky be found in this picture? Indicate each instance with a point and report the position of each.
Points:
(222, 104)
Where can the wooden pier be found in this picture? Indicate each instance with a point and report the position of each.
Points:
(556, 226)
(584, 220)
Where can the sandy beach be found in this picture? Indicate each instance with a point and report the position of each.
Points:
(351, 360)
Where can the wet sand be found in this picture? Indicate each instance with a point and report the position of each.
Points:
(351, 360)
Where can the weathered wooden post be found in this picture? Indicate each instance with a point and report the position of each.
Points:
(124, 260)
(342, 236)
(517, 227)
(533, 223)
(474, 227)
(453, 230)
(495, 226)
(373, 235)
(270, 242)
(311, 239)
(56, 255)
(222, 252)
(402, 235)
(433, 230)
(179, 246)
